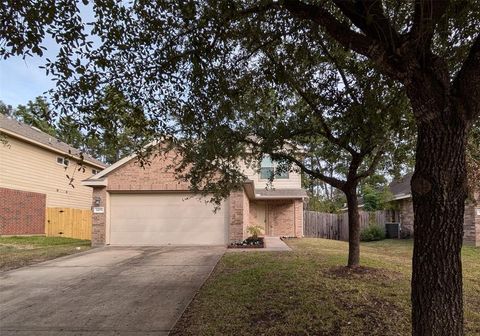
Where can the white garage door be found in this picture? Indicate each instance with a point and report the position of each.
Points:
(162, 219)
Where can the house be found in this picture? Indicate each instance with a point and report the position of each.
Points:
(33, 177)
(149, 206)
(403, 213)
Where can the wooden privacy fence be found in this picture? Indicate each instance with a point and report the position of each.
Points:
(68, 222)
(335, 226)
(320, 224)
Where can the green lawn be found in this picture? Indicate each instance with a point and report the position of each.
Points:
(305, 292)
(18, 251)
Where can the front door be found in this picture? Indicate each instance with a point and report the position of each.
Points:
(261, 214)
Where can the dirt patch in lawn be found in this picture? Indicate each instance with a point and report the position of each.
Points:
(362, 272)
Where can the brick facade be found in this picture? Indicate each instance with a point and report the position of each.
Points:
(99, 220)
(477, 227)
(21, 212)
(471, 224)
(239, 216)
(158, 176)
(406, 217)
(283, 217)
(298, 218)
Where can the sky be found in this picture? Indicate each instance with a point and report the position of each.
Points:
(22, 80)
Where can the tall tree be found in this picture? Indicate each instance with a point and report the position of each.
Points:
(431, 47)
(36, 113)
(6, 109)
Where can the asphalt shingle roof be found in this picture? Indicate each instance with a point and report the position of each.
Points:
(281, 192)
(34, 134)
(401, 186)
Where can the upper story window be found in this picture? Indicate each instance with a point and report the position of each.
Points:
(63, 161)
(95, 172)
(269, 168)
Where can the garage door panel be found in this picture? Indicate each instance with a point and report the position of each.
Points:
(162, 225)
(160, 219)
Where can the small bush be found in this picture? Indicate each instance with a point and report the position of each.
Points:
(255, 231)
(372, 233)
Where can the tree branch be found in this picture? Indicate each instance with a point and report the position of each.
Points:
(340, 71)
(368, 15)
(373, 165)
(338, 30)
(337, 183)
(466, 84)
(365, 45)
(326, 131)
(426, 15)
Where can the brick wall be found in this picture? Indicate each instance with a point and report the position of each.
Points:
(406, 217)
(239, 215)
(281, 218)
(477, 226)
(469, 229)
(99, 220)
(298, 218)
(21, 212)
(471, 224)
(156, 176)
(246, 215)
(284, 218)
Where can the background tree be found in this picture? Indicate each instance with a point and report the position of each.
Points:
(36, 113)
(6, 109)
(431, 47)
(375, 198)
(110, 140)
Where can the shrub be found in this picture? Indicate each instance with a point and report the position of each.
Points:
(254, 230)
(372, 233)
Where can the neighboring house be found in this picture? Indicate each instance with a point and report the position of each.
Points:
(149, 206)
(403, 213)
(33, 176)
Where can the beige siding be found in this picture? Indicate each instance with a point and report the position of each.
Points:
(24, 166)
(294, 180)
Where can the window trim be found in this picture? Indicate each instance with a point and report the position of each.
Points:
(63, 161)
(273, 167)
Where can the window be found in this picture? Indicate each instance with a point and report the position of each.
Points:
(268, 168)
(63, 161)
(94, 171)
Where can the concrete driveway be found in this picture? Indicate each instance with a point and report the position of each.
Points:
(107, 291)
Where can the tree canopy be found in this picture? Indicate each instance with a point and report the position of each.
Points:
(197, 68)
(110, 140)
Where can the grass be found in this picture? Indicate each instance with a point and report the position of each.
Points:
(19, 251)
(307, 292)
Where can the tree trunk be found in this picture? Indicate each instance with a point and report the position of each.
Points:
(439, 193)
(353, 227)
